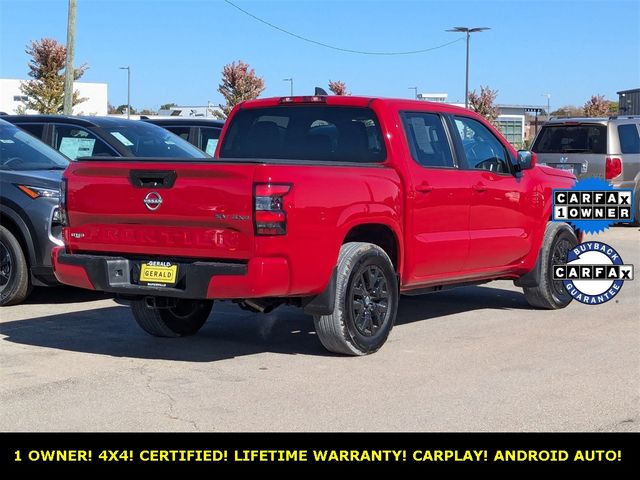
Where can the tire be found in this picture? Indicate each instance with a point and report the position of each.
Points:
(559, 239)
(366, 302)
(15, 284)
(186, 318)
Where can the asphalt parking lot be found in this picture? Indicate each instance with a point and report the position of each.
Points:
(471, 359)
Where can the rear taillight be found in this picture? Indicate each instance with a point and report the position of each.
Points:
(304, 99)
(270, 217)
(613, 168)
(62, 207)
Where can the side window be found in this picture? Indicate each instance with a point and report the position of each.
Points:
(209, 139)
(35, 129)
(427, 139)
(75, 142)
(482, 149)
(629, 138)
(180, 130)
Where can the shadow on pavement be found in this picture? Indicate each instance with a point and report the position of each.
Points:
(230, 331)
(61, 294)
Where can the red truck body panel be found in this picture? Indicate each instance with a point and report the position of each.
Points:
(449, 225)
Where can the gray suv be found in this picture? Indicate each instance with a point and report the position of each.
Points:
(30, 226)
(608, 148)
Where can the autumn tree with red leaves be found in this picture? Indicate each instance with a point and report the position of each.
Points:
(483, 103)
(239, 83)
(46, 91)
(597, 106)
(338, 87)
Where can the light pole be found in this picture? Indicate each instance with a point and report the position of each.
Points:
(415, 90)
(290, 80)
(548, 95)
(468, 32)
(128, 69)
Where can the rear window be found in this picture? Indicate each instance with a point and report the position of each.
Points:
(147, 140)
(584, 138)
(629, 138)
(319, 132)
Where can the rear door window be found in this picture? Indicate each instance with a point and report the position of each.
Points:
(427, 139)
(76, 142)
(629, 138)
(209, 139)
(35, 129)
(583, 138)
(305, 132)
(180, 130)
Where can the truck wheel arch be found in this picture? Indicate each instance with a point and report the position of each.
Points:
(380, 234)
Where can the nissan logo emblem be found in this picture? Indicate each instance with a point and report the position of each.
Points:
(152, 201)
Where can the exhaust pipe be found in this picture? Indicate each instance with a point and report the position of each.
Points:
(260, 305)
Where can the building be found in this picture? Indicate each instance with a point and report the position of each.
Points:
(191, 111)
(433, 97)
(11, 97)
(629, 102)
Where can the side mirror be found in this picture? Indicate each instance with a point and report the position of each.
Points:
(526, 159)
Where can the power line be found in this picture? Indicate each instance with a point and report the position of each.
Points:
(333, 47)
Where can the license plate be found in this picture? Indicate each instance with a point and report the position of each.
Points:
(158, 273)
(566, 168)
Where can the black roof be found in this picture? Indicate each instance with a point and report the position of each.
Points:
(83, 121)
(194, 121)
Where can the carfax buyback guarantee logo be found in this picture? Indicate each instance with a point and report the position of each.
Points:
(594, 272)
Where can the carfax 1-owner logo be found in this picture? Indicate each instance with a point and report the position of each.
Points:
(593, 205)
(594, 273)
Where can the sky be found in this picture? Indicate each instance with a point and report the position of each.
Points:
(177, 49)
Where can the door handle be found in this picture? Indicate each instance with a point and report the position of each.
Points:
(480, 187)
(424, 188)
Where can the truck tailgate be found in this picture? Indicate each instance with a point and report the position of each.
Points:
(160, 209)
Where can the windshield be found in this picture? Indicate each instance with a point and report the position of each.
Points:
(320, 132)
(146, 140)
(584, 138)
(21, 151)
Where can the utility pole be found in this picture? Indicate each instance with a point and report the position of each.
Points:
(67, 106)
(415, 90)
(128, 69)
(290, 80)
(548, 95)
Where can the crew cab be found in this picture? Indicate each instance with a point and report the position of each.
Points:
(335, 204)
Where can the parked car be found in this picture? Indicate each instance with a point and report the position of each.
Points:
(30, 226)
(608, 148)
(77, 137)
(334, 204)
(199, 131)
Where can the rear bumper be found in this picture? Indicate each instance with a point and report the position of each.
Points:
(260, 277)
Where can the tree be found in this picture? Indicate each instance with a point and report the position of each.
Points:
(338, 87)
(596, 106)
(46, 91)
(122, 109)
(111, 109)
(568, 111)
(147, 111)
(614, 107)
(483, 103)
(239, 83)
(168, 106)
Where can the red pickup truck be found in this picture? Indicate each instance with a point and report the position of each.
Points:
(334, 204)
